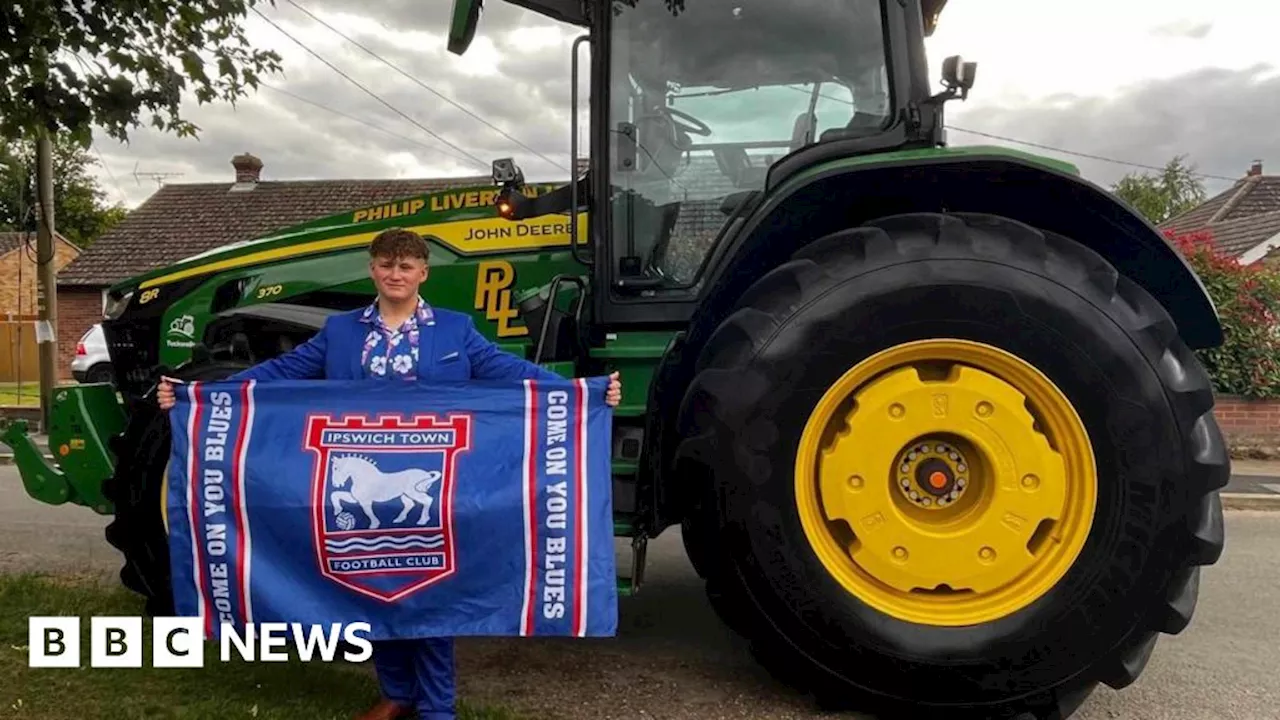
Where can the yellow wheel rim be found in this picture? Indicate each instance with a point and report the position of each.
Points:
(946, 482)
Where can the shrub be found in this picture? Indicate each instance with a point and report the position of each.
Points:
(1248, 301)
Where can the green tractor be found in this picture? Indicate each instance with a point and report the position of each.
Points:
(928, 419)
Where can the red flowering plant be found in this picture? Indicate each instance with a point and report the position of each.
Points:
(1248, 301)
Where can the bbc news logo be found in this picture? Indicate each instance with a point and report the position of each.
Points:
(178, 642)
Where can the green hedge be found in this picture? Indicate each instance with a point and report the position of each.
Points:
(1248, 300)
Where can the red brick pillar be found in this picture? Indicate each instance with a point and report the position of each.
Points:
(78, 310)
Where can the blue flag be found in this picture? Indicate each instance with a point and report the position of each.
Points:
(423, 510)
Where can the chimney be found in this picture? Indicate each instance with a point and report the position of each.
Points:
(248, 168)
(1256, 169)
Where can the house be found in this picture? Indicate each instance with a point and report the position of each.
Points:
(1244, 220)
(19, 301)
(181, 220)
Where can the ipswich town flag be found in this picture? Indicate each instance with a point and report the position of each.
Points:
(423, 510)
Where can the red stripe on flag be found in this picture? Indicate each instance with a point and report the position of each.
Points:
(192, 509)
(237, 483)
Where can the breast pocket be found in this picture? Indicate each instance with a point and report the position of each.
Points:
(451, 366)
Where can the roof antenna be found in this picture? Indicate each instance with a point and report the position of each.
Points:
(157, 176)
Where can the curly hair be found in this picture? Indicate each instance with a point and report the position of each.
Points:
(396, 243)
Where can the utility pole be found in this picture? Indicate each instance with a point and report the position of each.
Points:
(46, 292)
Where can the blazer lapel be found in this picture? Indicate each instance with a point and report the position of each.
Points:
(361, 331)
(426, 347)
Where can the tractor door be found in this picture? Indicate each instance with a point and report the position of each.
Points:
(692, 104)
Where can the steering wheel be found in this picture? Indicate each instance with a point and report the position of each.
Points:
(696, 126)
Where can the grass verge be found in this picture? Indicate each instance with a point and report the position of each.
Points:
(235, 689)
(25, 395)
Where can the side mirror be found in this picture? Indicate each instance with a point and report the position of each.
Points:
(462, 24)
(958, 76)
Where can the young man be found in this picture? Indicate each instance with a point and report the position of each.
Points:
(400, 337)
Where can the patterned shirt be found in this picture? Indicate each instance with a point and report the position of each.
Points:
(393, 352)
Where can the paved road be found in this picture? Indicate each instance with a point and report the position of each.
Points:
(1260, 484)
(674, 660)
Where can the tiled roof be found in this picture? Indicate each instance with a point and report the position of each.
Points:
(700, 187)
(10, 241)
(1239, 218)
(181, 220)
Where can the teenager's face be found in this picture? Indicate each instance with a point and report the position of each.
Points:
(397, 278)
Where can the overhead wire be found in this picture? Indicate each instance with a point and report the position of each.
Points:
(1077, 153)
(348, 116)
(1042, 146)
(423, 85)
(372, 94)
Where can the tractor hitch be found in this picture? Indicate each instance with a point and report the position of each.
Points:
(81, 420)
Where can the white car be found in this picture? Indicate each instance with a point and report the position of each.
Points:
(92, 364)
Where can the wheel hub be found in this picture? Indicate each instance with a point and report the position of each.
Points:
(946, 482)
(931, 475)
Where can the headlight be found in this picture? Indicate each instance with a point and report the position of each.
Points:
(115, 306)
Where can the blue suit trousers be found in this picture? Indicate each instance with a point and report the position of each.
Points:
(418, 673)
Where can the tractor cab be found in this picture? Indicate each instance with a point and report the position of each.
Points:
(698, 108)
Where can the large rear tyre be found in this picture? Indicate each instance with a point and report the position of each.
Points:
(137, 530)
(957, 466)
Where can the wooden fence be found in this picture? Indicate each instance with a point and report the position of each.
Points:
(19, 351)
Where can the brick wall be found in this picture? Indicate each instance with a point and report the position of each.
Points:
(1246, 418)
(19, 286)
(18, 276)
(78, 310)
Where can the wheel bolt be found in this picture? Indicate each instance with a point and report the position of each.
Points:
(1030, 482)
(987, 554)
(897, 411)
(900, 553)
(855, 482)
(985, 409)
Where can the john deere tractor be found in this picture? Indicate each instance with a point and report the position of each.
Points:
(927, 419)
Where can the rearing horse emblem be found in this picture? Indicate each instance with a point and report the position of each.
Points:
(382, 495)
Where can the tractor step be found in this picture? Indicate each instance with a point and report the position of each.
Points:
(629, 586)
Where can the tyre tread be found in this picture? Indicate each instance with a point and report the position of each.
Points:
(842, 255)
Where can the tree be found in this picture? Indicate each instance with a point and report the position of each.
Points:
(71, 65)
(79, 203)
(1247, 298)
(133, 57)
(1162, 196)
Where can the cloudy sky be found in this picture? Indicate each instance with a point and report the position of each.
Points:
(1137, 81)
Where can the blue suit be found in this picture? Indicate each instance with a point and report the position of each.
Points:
(451, 350)
(446, 348)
